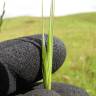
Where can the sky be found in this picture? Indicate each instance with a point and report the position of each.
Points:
(33, 7)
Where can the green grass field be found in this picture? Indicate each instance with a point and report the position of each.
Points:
(79, 35)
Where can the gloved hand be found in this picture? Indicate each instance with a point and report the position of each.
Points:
(65, 89)
(40, 92)
(21, 62)
(58, 89)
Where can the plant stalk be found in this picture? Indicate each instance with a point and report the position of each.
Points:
(1, 17)
(47, 56)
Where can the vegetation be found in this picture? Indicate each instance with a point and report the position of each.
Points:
(1, 17)
(47, 55)
(79, 35)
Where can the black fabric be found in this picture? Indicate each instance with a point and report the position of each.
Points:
(4, 80)
(60, 88)
(23, 56)
(59, 51)
(7, 81)
(65, 89)
(23, 59)
(40, 92)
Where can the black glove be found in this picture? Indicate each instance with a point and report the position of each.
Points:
(40, 92)
(65, 89)
(22, 61)
(58, 89)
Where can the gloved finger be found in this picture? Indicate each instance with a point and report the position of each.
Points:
(65, 89)
(24, 56)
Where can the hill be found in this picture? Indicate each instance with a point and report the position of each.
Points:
(79, 35)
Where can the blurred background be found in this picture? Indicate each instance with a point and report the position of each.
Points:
(74, 24)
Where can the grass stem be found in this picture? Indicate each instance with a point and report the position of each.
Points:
(47, 55)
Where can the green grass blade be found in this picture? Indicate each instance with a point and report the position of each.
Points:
(47, 55)
(50, 49)
(43, 49)
(43, 38)
(50, 45)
